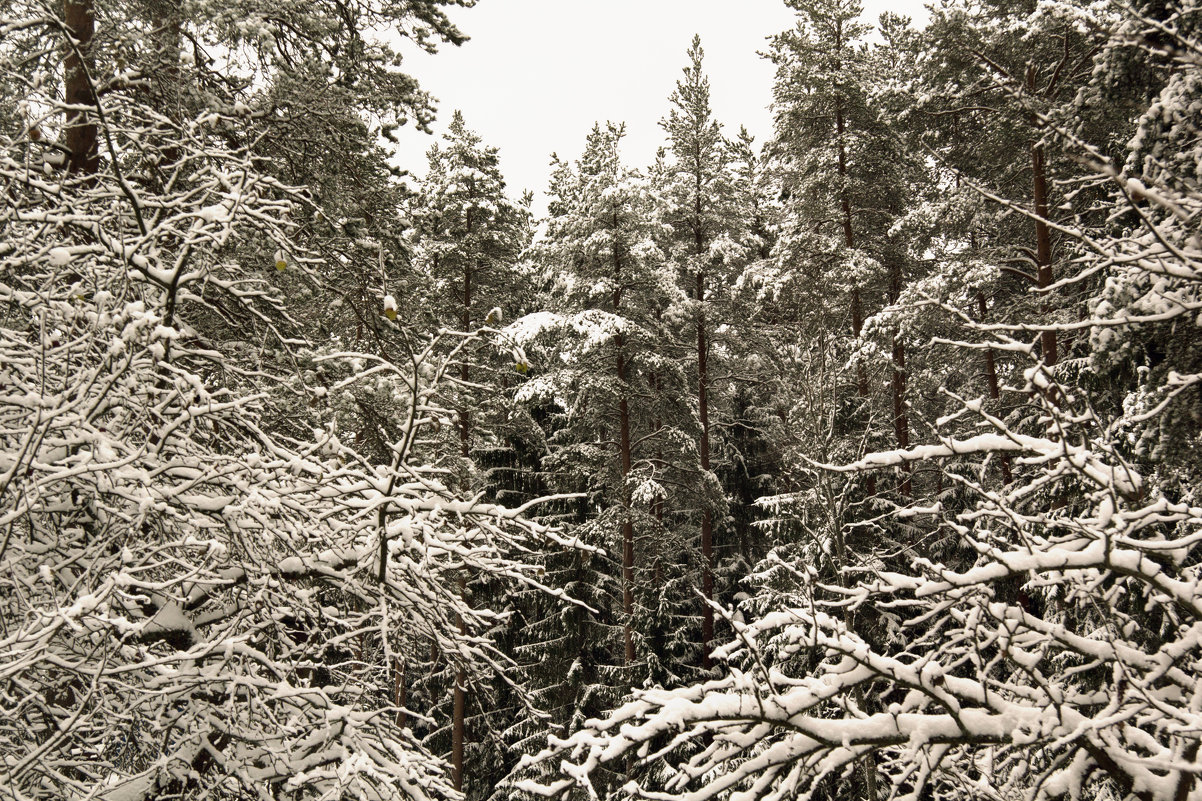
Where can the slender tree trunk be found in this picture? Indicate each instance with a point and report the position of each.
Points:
(707, 515)
(1043, 235)
(166, 21)
(901, 423)
(857, 325)
(857, 321)
(464, 372)
(626, 461)
(400, 691)
(459, 708)
(849, 239)
(458, 722)
(995, 389)
(627, 522)
(657, 383)
(465, 321)
(80, 129)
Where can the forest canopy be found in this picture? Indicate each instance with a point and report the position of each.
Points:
(859, 463)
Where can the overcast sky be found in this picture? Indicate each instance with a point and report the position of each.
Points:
(537, 74)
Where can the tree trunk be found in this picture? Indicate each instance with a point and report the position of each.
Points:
(460, 698)
(458, 724)
(1043, 235)
(995, 390)
(166, 26)
(857, 323)
(80, 128)
(400, 691)
(627, 522)
(660, 502)
(464, 372)
(707, 515)
(459, 707)
(901, 423)
(457, 731)
(849, 239)
(625, 459)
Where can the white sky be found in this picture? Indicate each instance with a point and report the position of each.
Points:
(537, 74)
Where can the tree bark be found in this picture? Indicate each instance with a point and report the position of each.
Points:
(458, 723)
(80, 133)
(466, 323)
(660, 502)
(163, 87)
(703, 414)
(400, 691)
(458, 731)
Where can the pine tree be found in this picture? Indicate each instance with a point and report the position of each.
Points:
(698, 187)
(601, 245)
(841, 168)
(468, 237)
(1001, 76)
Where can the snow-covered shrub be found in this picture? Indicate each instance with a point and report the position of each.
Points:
(207, 588)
